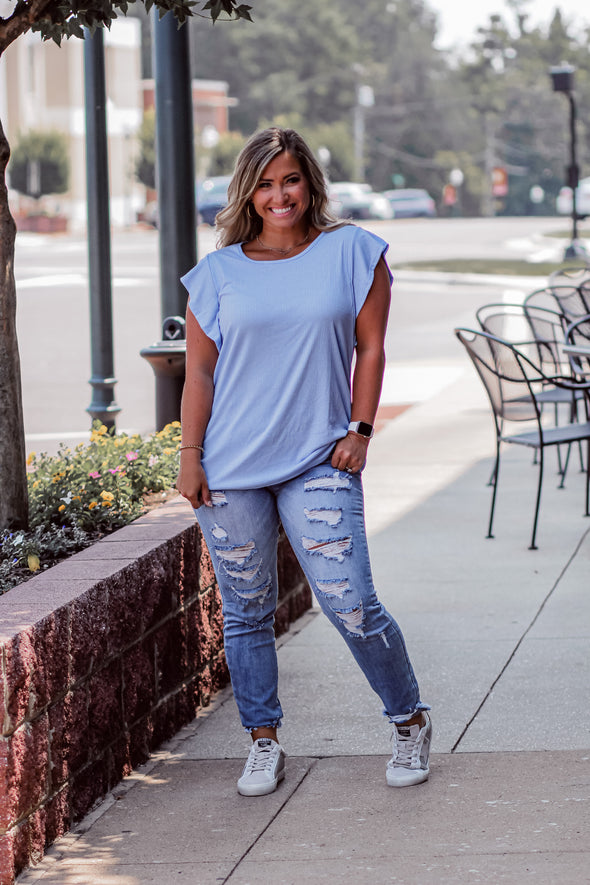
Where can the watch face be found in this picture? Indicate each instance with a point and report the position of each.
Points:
(365, 429)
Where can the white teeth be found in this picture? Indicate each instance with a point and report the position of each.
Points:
(281, 211)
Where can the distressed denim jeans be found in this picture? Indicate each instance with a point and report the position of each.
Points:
(322, 513)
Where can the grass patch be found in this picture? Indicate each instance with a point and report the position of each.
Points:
(566, 234)
(512, 268)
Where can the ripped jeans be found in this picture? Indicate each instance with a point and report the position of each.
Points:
(322, 513)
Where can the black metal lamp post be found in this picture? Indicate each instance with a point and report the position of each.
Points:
(562, 77)
(176, 208)
(103, 406)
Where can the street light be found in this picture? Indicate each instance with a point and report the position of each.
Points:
(562, 77)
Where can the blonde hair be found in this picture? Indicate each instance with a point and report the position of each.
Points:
(238, 222)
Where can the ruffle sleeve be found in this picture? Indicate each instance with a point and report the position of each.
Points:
(203, 299)
(367, 249)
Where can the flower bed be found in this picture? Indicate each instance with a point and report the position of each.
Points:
(79, 495)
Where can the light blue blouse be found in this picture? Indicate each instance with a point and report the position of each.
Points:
(285, 333)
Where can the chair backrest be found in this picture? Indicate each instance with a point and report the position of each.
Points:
(572, 301)
(518, 323)
(509, 378)
(569, 276)
(578, 332)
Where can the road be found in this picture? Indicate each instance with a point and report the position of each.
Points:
(53, 315)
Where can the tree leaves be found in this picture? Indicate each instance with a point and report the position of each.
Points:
(57, 19)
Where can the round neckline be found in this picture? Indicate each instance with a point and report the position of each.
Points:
(280, 260)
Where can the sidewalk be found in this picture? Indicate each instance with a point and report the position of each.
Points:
(499, 637)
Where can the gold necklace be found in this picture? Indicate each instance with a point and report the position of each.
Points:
(283, 251)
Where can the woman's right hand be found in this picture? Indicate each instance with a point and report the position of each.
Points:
(192, 481)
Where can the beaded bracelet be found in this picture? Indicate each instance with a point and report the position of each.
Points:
(192, 446)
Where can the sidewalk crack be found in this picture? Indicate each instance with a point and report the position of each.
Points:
(271, 821)
(490, 690)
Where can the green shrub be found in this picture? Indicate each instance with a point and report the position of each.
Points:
(80, 495)
(50, 151)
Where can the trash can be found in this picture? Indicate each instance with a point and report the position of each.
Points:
(167, 358)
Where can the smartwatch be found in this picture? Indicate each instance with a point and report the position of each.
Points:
(362, 428)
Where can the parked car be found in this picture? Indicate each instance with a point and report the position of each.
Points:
(411, 202)
(211, 197)
(351, 199)
(564, 199)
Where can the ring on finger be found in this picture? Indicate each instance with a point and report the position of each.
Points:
(348, 470)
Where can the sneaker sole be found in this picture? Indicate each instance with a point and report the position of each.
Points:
(261, 789)
(410, 779)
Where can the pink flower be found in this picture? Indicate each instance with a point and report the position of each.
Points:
(94, 474)
(131, 456)
(117, 469)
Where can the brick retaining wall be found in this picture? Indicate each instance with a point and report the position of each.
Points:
(104, 657)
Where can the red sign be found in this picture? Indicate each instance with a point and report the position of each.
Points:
(499, 181)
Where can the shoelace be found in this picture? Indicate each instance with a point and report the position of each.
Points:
(261, 759)
(408, 749)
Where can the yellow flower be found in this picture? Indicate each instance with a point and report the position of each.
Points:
(176, 438)
(92, 505)
(33, 562)
(61, 507)
(107, 496)
(103, 429)
(31, 458)
(106, 504)
(77, 498)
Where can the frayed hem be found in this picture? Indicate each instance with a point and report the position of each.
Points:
(249, 729)
(405, 717)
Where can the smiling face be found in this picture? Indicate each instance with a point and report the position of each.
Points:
(282, 196)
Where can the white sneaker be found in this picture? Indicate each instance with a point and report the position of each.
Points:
(411, 748)
(264, 768)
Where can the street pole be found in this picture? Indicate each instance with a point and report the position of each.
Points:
(562, 77)
(175, 180)
(103, 406)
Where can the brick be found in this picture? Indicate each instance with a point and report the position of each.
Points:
(124, 616)
(19, 664)
(171, 654)
(69, 743)
(89, 784)
(189, 553)
(105, 710)
(24, 763)
(206, 571)
(201, 642)
(88, 631)
(7, 848)
(139, 681)
(57, 815)
(141, 740)
(118, 760)
(51, 644)
(161, 584)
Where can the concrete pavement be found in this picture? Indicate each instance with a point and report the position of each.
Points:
(499, 637)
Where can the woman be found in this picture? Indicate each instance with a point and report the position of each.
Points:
(271, 433)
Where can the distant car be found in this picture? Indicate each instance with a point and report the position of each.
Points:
(351, 199)
(563, 203)
(212, 197)
(411, 202)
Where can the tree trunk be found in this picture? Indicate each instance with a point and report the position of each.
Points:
(13, 477)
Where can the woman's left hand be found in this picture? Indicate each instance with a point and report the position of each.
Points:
(350, 453)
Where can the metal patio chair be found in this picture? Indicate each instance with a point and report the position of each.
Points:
(512, 382)
(542, 331)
